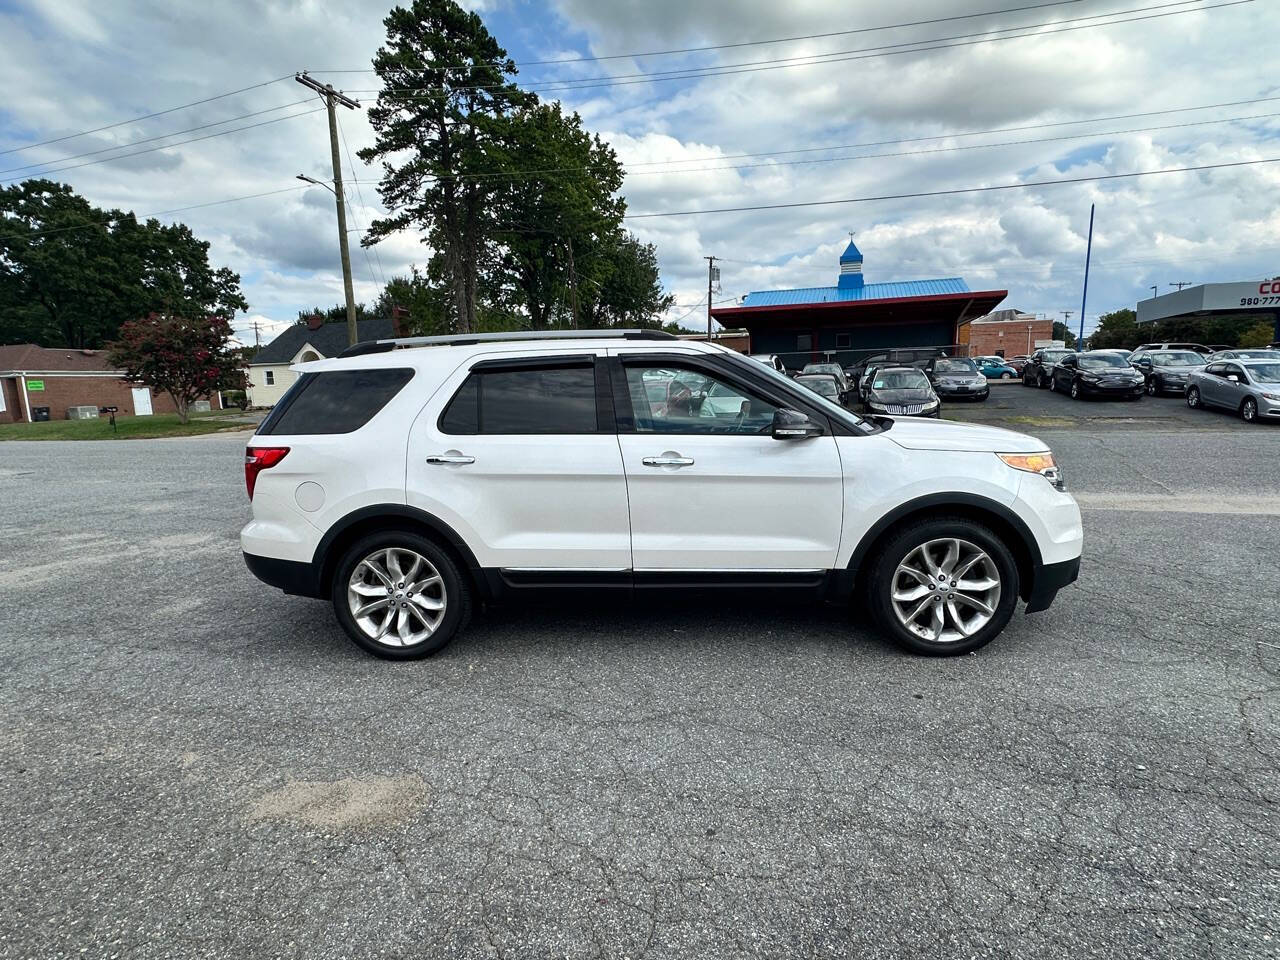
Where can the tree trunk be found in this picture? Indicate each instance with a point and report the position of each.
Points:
(183, 407)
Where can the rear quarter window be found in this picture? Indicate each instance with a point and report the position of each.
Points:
(335, 401)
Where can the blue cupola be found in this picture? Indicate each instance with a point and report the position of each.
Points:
(850, 268)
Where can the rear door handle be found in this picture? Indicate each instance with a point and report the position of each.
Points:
(447, 458)
(667, 461)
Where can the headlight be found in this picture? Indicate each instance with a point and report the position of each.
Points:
(875, 406)
(1089, 377)
(1272, 396)
(1041, 463)
(934, 402)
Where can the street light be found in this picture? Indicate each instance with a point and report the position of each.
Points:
(318, 183)
(352, 330)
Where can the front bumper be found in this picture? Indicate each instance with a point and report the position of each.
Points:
(962, 393)
(1112, 390)
(1047, 580)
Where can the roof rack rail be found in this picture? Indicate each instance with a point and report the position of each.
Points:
(467, 339)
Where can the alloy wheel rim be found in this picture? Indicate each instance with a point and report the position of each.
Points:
(945, 590)
(396, 597)
(1193, 397)
(1250, 410)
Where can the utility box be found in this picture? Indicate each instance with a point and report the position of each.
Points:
(200, 406)
(39, 413)
(82, 413)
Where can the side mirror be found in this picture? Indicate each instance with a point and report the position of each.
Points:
(794, 425)
(1233, 378)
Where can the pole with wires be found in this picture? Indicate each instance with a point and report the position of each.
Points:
(1088, 253)
(332, 97)
(713, 274)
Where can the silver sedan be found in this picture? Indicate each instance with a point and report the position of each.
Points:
(1250, 388)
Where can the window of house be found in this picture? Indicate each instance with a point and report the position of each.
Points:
(804, 342)
(545, 400)
(270, 376)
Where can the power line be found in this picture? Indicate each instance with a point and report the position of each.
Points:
(147, 116)
(728, 46)
(166, 146)
(360, 198)
(951, 192)
(519, 174)
(864, 53)
(163, 136)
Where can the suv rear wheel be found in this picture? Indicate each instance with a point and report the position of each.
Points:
(399, 595)
(944, 586)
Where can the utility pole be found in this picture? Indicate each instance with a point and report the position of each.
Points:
(1084, 295)
(1179, 284)
(713, 274)
(257, 337)
(332, 97)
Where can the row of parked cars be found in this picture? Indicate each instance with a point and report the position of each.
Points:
(902, 384)
(1243, 381)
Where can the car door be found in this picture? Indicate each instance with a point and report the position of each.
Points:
(1211, 384)
(719, 493)
(1063, 371)
(1233, 392)
(518, 454)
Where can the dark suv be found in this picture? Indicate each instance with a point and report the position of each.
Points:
(1038, 370)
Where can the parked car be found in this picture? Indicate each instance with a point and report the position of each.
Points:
(1036, 371)
(1125, 354)
(1193, 347)
(1244, 353)
(865, 380)
(407, 481)
(825, 385)
(1096, 373)
(1166, 371)
(834, 369)
(901, 391)
(771, 360)
(956, 377)
(1018, 362)
(1250, 388)
(994, 368)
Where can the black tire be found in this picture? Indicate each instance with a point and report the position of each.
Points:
(1006, 375)
(455, 588)
(1053, 384)
(1193, 397)
(878, 585)
(1042, 381)
(1153, 387)
(1249, 410)
(1075, 390)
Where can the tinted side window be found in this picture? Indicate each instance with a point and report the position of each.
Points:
(336, 401)
(548, 400)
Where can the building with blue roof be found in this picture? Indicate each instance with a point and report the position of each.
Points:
(855, 318)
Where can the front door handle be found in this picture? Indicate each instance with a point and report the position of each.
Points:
(667, 461)
(448, 458)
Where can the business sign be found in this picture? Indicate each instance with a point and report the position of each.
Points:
(1211, 298)
(35, 386)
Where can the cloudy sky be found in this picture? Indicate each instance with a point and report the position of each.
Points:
(861, 112)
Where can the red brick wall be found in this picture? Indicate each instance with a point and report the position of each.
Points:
(986, 340)
(62, 392)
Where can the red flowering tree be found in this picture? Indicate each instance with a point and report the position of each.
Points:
(186, 358)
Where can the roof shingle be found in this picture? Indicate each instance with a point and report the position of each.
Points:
(330, 339)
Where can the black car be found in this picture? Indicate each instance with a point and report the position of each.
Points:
(824, 384)
(1036, 371)
(901, 392)
(1166, 371)
(1097, 374)
(957, 377)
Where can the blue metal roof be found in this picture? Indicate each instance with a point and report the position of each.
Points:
(851, 252)
(870, 291)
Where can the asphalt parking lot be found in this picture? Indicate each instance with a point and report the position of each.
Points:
(198, 766)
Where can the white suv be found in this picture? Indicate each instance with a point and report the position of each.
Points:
(409, 479)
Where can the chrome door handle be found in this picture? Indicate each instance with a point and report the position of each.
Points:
(667, 461)
(447, 458)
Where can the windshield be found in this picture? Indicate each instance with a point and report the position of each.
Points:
(822, 368)
(823, 385)
(1100, 361)
(955, 365)
(900, 380)
(1258, 354)
(787, 386)
(1264, 372)
(1175, 358)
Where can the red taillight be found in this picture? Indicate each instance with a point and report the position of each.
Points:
(257, 459)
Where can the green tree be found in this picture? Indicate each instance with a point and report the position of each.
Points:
(1258, 335)
(558, 230)
(441, 111)
(185, 357)
(630, 294)
(1116, 330)
(71, 273)
(1062, 332)
(338, 313)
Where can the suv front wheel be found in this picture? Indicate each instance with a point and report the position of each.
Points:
(399, 596)
(944, 586)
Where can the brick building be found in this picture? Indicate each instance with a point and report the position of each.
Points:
(35, 379)
(1005, 333)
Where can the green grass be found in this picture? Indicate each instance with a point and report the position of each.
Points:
(127, 428)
